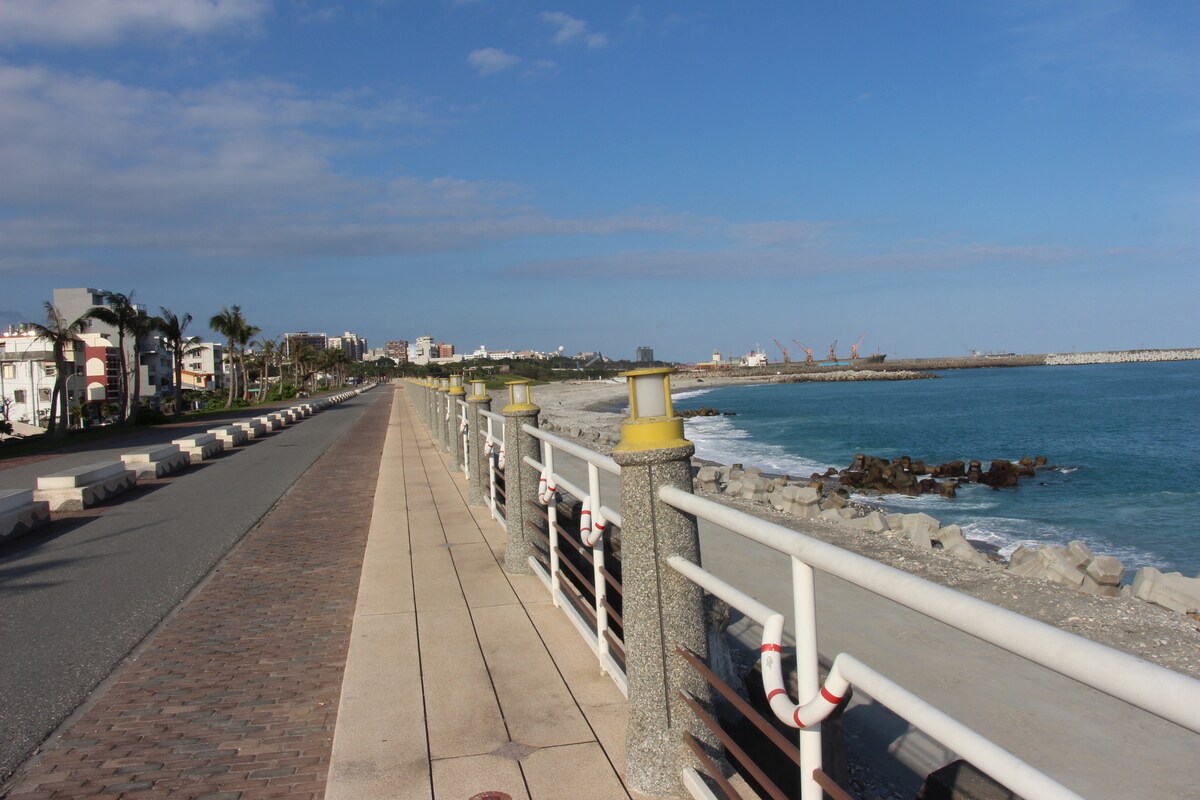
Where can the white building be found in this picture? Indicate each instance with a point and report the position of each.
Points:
(151, 357)
(423, 351)
(204, 367)
(27, 375)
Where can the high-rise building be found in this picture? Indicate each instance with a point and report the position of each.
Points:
(398, 351)
(445, 350)
(351, 344)
(292, 342)
(645, 355)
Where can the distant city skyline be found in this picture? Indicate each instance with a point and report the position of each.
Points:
(692, 176)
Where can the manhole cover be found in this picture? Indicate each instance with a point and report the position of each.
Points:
(491, 796)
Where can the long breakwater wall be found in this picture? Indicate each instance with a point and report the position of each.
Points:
(1123, 357)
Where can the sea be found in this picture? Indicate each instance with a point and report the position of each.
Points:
(1122, 443)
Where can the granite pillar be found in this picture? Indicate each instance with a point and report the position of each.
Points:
(520, 484)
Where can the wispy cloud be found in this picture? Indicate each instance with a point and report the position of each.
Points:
(1092, 44)
(91, 22)
(236, 170)
(568, 30)
(490, 60)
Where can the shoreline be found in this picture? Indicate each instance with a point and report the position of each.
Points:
(591, 413)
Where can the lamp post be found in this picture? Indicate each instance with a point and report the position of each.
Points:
(520, 479)
(453, 437)
(443, 408)
(477, 475)
(663, 610)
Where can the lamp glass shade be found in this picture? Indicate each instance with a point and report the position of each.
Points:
(478, 388)
(456, 380)
(649, 396)
(518, 393)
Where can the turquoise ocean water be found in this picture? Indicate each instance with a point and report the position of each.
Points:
(1123, 440)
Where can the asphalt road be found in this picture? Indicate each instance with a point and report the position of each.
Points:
(78, 596)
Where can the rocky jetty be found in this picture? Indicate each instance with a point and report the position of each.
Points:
(1074, 566)
(905, 476)
(1122, 357)
(703, 411)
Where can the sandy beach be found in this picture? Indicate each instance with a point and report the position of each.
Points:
(591, 413)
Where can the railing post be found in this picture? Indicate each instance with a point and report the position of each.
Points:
(662, 609)
(477, 475)
(520, 479)
(453, 438)
(443, 404)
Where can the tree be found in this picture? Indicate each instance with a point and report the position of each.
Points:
(229, 323)
(269, 351)
(245, 334)
(60, 334)
(120, 312)
(140, 326)
(178, 344)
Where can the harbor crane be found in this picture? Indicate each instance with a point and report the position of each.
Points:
(833, 351)
(808, 359)
(854, 348)
(787, 357)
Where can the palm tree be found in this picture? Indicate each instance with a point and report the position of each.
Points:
(269, 349)
(178, 344)
(141, 326)
(59, 333)
(229, 323)
(120, 312)
(245, 334)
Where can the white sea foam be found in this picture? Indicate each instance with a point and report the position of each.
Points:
(689, 394)
(718, 439)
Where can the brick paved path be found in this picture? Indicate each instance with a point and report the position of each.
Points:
(236, 696)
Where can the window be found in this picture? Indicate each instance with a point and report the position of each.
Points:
(44, 394)
(19, 396)
(8, 370)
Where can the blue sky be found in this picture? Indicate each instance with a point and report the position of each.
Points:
(687, 175)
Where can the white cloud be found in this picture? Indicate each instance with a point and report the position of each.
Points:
(234, 169)
(570, 29)
(489, 60)
(105, 22)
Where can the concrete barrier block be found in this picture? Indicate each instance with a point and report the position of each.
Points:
(1171, 590)
(81, 476)
(831, 515)
(81, 496)
(253, 428)
(200, 446)
(20, 513)
(156, 462)
(230, 435)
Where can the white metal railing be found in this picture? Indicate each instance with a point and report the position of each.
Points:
(493, 444)
(593, 500)
(1168, 694)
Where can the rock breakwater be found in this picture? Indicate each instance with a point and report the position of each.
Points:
(1075, 565)
(1122, 357)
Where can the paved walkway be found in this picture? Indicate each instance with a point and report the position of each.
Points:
(488, 687)
(283, 675)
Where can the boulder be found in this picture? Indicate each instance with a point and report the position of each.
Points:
(1079, 554)
(708, 479)
(1172, 590)
(873, 522)
(919, 529)
(1106, 571)
(754, 487)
